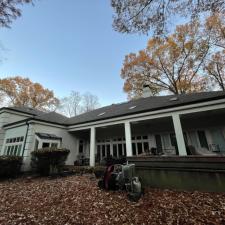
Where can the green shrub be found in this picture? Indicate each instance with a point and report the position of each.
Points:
(49, 161)
(10, 166)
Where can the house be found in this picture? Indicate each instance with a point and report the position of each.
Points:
(165, 124)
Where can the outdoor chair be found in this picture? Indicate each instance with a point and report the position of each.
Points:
(200, 151)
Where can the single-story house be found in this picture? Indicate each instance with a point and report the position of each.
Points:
(185, 124)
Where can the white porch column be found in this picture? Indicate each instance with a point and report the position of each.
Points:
(92, 146)
(179, 135)
(128, 138)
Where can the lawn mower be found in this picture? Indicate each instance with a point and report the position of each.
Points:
(122, 177)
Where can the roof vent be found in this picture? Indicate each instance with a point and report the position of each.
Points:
(173, 99)
(133, 107)
(101, 114)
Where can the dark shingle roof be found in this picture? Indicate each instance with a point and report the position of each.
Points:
(144, 105)
(27, 110)
(52, 117)
(127, 108)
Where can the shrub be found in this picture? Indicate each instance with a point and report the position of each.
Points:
(49, 161)
(10, 166)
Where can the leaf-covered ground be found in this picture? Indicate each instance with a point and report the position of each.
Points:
(78, 200)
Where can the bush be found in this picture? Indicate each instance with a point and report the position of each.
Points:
(10, 166)
(49, 161)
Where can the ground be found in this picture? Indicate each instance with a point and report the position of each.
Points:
(78, 200)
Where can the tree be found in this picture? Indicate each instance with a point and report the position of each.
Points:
(71, 106)
(77, 103)
(89, 102)
(140, 16)
(23, 92)
(216, 69)
(170, 64)
(215, 27)
(9, 10)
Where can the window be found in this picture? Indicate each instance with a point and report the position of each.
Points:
(45, 145)
(202, 139)
(134, 148)
(54, 145)
(124, 149)
(13, 146)
(158, 141)
(146, 147)
(81, 146)
(120, 147)
(103, 151)
(99, 151)
(115, 150)
(139, 148)
(108, 150)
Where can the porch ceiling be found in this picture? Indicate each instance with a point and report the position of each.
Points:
(211, 118)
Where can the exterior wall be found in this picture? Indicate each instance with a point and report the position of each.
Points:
(69, 140)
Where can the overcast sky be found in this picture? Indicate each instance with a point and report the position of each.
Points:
(68, 47)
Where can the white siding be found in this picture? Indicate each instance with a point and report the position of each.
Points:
(69, 141)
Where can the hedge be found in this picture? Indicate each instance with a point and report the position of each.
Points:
(10, 166)
(49, 161)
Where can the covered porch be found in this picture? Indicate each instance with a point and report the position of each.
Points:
(193, 132)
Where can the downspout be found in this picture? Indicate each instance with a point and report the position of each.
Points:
(25, 139)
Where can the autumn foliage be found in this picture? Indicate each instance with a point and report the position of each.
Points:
(186, 61)
(78, 200)
(23, 92)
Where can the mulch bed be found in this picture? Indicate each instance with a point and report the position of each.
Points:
(78, 200)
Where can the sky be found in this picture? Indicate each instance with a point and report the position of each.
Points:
(69, 45)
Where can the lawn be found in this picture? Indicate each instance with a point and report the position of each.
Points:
(78, 200)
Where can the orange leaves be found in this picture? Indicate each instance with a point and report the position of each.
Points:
(23, 92)
(216, 69)
(170, 64)
(78, 200)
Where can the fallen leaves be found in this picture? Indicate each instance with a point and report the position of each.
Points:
(78, 200)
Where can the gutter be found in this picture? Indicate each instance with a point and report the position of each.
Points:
(25, 139)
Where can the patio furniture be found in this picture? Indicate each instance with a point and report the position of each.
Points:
(200, 151)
